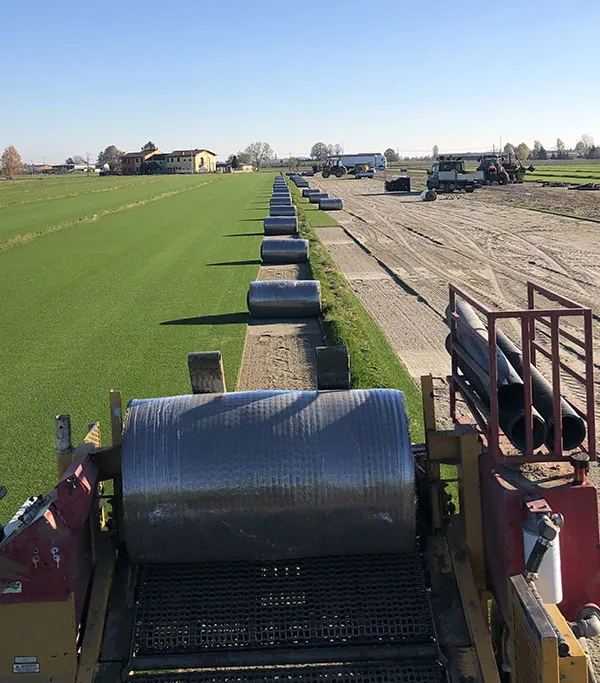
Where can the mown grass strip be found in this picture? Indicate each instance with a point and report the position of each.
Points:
(51, 198)
(373, 363)
(83, 220)
(119, 303)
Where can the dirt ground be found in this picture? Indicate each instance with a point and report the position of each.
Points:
(491, 250)
(528, 195)
(280, 354)
(400, 253)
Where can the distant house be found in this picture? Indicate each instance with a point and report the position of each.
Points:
(225, 167)
(191, 161)
(69, 168)
(132, 161)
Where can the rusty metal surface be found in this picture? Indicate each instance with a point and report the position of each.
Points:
(268, 475)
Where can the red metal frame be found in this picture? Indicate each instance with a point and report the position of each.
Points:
(488, 420)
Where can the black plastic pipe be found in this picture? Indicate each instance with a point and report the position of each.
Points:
(573, 426)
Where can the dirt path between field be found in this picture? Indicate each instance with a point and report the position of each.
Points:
(280, 354)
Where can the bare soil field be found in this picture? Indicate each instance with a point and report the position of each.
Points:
(489, 249)
(529, 195)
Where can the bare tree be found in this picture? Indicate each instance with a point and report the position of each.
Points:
(588, 142)
(75, 159)
(391, 155)
(111, 156)
(12, 164)
(538, 151)
(522, 151)
(337, 149)
(258, 153)
(560, 149)
(435, 151)
(319, 151)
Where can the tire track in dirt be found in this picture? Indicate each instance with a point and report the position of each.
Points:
(491, 251)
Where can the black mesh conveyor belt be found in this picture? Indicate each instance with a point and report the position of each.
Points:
(406, 672)
(378, 600)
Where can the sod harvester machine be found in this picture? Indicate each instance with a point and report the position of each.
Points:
(300, 536)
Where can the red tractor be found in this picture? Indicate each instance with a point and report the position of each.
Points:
(502, 170)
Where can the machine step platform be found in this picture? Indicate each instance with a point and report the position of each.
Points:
(293, 612)
(405, 672)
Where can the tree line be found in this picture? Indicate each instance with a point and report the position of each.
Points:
(585, 148)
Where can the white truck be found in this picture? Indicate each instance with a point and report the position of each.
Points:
(448, 174)
(347, 163)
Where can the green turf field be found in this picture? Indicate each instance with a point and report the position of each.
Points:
(316, 217)
(111, 290)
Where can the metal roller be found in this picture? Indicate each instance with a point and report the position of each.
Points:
(331, 204)
(284, 299)
(267, 475)
(283, 211)
(280, 201)
(307, 191)
(273, 250)
(280, 225)
(316, 198)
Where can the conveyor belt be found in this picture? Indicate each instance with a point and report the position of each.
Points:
(358, 673)
(360, 602)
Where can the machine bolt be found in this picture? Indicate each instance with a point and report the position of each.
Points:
(580, 462)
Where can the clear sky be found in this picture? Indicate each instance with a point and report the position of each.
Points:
(77, 76)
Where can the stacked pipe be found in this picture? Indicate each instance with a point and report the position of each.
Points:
(473, 360)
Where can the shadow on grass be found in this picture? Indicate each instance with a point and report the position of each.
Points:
(251, 262)
(222, 319)
(243, 234)
(250, 220)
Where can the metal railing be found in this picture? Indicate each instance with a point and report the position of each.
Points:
(487, 416)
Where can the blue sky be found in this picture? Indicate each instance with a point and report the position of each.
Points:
(369, 75)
